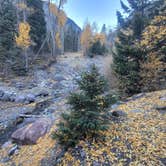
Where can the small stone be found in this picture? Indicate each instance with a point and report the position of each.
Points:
(20, 99)
(59, 78)
(114, 106)
(5, 97)
(13, 97)
(42, 93)
(83, 154)
(163, 98)
(30, 98)
(95, 163)
(5, 159)
(138, 96)
(12, 150)
(136, 111)
(119, 113)
(1, 93)
(6, 144)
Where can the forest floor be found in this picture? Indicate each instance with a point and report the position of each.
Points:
(135, 138)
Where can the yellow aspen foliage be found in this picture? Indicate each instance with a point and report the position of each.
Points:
(151, 71)
(23, 40)
(86, 37)
(100, 37)
(61, 18)
(53, 9)
(60, 14)
(58, 40)
(153, 41)
(155, 33)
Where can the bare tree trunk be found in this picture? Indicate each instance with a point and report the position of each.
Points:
(52, 34)
(62, 40)
(24, 13)
(26, 60)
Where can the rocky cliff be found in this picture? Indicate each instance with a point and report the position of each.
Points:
(71, 30)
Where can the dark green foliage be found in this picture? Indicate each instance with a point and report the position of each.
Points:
(88, 110)
(71, 39)
(97, 49)
(124, 7)
(120, 18)
(37, 23)
(138, 5)
(128, 55)
(8, 22)
(126, 64)
(104, 29)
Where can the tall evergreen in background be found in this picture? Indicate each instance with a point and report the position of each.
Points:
(8, 20)
(128, 55)
(37, 22)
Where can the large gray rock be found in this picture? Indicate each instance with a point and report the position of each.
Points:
(32, 132)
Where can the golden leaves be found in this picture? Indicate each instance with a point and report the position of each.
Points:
(139, 139)
(100, 37)
(23, 40)
(154, 33)
(86, 37)
(60, 14)
(61, 18)
(53, 9)
(58, 40)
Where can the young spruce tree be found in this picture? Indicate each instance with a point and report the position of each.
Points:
(88, 110)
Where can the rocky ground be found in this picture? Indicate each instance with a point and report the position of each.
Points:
(31, 108)
(24, 100)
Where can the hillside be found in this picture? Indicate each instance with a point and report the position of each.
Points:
(136, 137)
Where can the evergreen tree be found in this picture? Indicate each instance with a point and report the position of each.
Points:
(124, 7)
(37, 22)
(128, 55)
(126, 62)
(88, 110)
(7, 33)
(97, 48)
(120, 18)
(104, 29)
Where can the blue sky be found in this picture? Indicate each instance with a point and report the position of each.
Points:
(100, 11)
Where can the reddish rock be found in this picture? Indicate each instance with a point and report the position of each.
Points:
(32, 132)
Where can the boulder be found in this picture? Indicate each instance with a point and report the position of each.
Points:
(32, 132)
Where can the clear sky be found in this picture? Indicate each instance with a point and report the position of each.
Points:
(100, 11)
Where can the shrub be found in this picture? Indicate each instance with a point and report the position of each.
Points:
(88, 110)
(97, 48)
